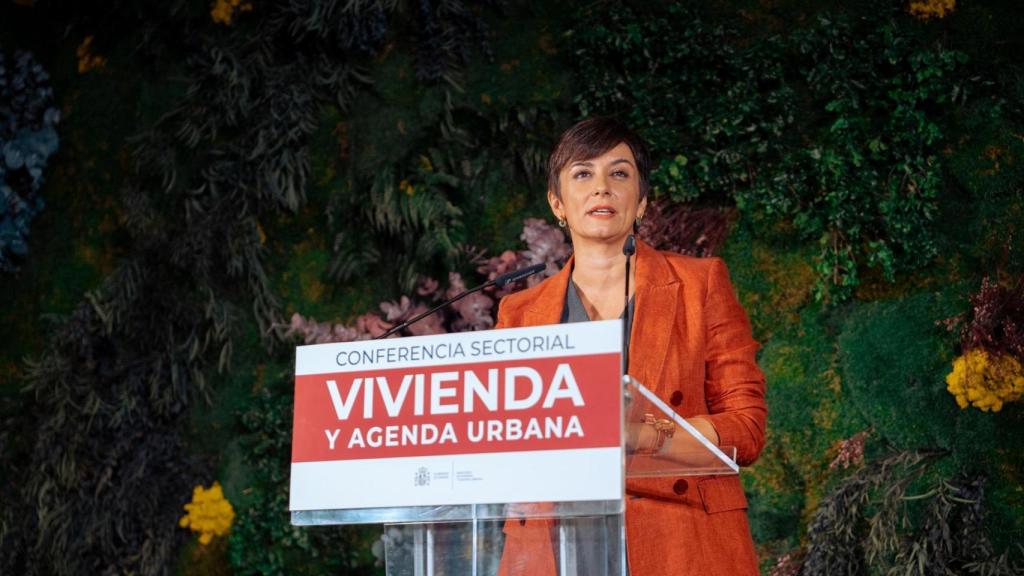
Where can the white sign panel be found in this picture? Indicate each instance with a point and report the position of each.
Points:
(514, 415)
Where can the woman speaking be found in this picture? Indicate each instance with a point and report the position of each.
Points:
(689, 341)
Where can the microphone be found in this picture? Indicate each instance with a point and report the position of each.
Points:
(517, 275)
(628, 249)
(501, 281)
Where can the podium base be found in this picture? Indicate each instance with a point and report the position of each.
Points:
(581, 546)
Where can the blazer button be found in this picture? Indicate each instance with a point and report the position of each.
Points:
(677, 398)
(680, 486)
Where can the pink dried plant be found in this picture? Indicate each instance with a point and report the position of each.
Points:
(372, 324)
(789, 564)
(995, 321)
(500, 264)
(313, 332)
(397, 312)
(427, 286)
(850, 452)
(474, 311)
(433, 324)
(544, 244)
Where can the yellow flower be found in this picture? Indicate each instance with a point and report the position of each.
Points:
(86, 59)
(262, 234)
(927, 9)
(209, 513)
(985, 381)
(224, 10)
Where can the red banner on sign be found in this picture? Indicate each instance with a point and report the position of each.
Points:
(511, 406)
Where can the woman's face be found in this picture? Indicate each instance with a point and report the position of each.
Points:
(600, 197)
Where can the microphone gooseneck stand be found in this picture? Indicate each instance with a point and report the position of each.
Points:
(629, 248)
(501, 281)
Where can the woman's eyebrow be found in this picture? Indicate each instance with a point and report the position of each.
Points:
(590, 164)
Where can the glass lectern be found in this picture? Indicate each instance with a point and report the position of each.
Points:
(582, 537)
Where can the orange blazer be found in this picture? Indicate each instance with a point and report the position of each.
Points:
(691, 344)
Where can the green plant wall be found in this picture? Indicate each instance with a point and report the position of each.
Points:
(235, 176)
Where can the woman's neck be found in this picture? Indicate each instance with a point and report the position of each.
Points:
(600, 266)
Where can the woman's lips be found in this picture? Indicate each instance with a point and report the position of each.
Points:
(601, 212)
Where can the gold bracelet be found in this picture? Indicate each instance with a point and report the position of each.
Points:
(665, 429)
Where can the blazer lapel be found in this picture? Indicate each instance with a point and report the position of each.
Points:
(548, 303)
(658, 304)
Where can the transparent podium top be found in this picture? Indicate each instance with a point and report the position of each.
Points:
(656, 442)
(660, 443)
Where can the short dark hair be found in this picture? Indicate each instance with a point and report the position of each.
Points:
(592, 137)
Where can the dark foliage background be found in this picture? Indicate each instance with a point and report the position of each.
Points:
(188, 186)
